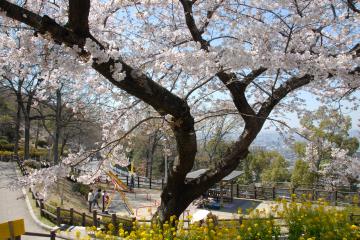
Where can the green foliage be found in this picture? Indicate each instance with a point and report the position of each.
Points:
(3, 141)
(42, 143)
(217, 148)
(318, 221)
(7, 150)
(7, 126)
(303, 221)
(277, 171)
(299, 149)
(81, 188)
(7, 146)
(302, 174)
(264, 165)
(351, 144)
(6, 153)
(330, 125)
(326, 129)
(32, 164)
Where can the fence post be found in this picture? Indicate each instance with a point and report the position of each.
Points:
(36, 199)
(313, 194)
(114, 222)
(240, 220)
(351, 217)
(58, 216)
(71, 216)
(83, 220)
(32, 194)
(41, 208)
(150, 183)
(127, 180)
(138, 181)
(162, 183)
(232, 191)
(335, 197)
(273, 193)
(237, 190)
(52, 235)
(95, 218)
(255, 192)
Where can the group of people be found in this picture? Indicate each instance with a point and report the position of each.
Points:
(95, 197)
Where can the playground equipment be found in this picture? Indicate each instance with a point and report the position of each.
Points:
(121, 188)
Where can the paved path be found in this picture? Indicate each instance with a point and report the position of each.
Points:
(12, 202)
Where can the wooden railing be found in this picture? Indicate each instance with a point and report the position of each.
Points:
(338, 196)
(52, 235)
(59, 215)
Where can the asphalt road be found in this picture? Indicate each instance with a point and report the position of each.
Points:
(12, 202)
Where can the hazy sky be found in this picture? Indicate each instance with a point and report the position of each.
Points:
(292, 119)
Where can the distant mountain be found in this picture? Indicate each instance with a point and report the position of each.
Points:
(273, 141)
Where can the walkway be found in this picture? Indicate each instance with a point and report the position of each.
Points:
(12, 202)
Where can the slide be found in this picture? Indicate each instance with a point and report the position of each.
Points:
(120, 187)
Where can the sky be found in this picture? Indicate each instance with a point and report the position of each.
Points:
(293, 120)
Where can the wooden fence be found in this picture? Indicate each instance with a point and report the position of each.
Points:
(231, 190)
(52, 235)
(143, 182)
(59, 215)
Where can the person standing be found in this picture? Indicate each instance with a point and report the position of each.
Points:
(132, 182)
(104, 200)
(96, 198)
(90, 199)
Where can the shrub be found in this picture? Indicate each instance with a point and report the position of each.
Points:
(304, 220)
(7, 147)
(32, 164)
(6, 153)
(318, 221)
(34, 153)
(3, 141)
(42, 143)
(81, 188)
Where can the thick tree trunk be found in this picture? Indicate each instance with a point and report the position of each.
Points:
(17, 129)
(173, 203)
(37, 134)
(27, 138)
(63, 144)
(178, 195)
(57, 127)
(153, 141)
(176, 198)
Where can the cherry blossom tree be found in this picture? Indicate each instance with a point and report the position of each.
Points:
(329, 149)
(188, 59)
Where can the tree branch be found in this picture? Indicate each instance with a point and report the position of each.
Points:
(78, 16)
(352, 6)
(135, 83)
